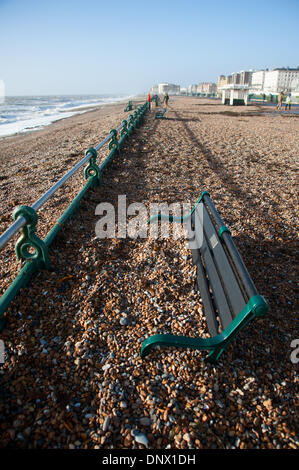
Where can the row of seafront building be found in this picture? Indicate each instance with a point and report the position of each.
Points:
(260, 82)
(237, 87)
(266, 82)
(205, 88)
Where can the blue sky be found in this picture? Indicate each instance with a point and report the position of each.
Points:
(94, 47)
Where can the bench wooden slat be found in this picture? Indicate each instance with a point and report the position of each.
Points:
(215, 282)
(229, 282)
(234, 255)
(241, 269)
(201, 280)
(204, 253)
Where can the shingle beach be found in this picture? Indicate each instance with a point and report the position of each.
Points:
(73, 377)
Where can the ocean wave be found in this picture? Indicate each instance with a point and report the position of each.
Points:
(23, 114)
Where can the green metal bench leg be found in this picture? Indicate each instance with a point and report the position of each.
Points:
(213, 344)
(256, 307)
(215, 355)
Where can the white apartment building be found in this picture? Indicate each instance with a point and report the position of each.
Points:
(163, 88)
(154, 90)
(257, 81)
(207, 88)
(286, 80)
(192, 89)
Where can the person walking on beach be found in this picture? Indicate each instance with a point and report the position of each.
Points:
(166, 98)
(149, 101)
(279, 101)
(288, 102)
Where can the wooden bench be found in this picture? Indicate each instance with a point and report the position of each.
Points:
(230, 299)
(159, 114)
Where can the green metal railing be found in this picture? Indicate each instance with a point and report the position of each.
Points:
(129, 106)
(29, 247)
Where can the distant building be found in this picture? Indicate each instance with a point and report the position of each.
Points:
(280, 79)
(257, 81)
(236, 78)
(154, 90)
(192, 89)
(273, 81)
(163, 88)
(207, 88)
(222, 80)
(246, 77)
(295, 85)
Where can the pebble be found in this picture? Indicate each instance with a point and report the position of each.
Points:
(106, 423)
(145, 421)
(140, 438)
(124, 321)
(237, 442)
(11, 433)
(187, 437)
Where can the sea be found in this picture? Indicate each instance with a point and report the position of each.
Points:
(20, 114)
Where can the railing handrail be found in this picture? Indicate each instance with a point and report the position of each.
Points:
(21, 221)
(26, 217)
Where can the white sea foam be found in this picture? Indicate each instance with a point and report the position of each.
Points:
(31, 124)
(24, 114)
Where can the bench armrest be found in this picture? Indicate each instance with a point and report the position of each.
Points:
(171, 218)
(256, 306)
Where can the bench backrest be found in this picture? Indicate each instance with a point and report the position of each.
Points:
(223, 280)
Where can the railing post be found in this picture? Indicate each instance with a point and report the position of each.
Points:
(136, 118)
(113, 144)
(124, 131)
(92, 170)
(130, 123)
(29, 239)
